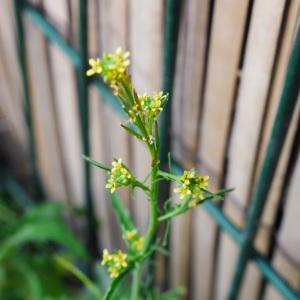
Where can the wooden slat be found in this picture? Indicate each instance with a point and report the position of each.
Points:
(189, 78)
(102, 204)
(180, 249)
(146, 48)
(136, 25)
(58, 13)
(65, 95)
(10, 73)
(44, 115)
(103, 210)
(178, 89)
(113, 33)
(222, 74)
(281, 261)
(13, 151)
(265, 232)
(224, 53)
(252, 95)
(186, 109)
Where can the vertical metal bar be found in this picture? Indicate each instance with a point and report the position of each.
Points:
(171, 30)
(27, 107)
(282, 121)
(92, 241)
(172, 22)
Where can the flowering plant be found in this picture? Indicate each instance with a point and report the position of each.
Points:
(143, 112)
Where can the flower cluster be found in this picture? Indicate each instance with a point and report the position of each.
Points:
(192, 185)
(113, 67)
(142, 110)
(119, 176)
(147, 108)
(153, 105)
(116, 262)
(134, 239)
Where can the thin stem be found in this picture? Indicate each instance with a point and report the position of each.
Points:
(152, 224)
(135, 282)
(184, 207)
(141, 186)
(169, 176)
(153, 208)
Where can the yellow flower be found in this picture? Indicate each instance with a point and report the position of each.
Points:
(130, 234)
(119, 176)
(106, 257)
(138, 244)
(113, 272)
(120, 259)
(113, 67)
(95, 67)
(135, 240)
(153, 104)
(192, 185)
(183, 191)
(193, 203)
(116, 262)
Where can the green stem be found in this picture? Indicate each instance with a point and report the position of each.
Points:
(184, 207)
(135, 282)
(153, 208)
(151, 227)
(141, 185)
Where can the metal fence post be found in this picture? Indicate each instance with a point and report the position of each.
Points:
(92, 240)
(27, 106)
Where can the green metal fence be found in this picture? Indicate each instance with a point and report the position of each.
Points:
(78, 57)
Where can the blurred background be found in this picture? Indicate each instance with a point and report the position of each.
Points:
(230, 66)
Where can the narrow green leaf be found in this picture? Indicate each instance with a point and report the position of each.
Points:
(46, 211)
(133, 132)
(160, 249)
(68, 266)
(96, 163)
(169, 176)
(173, 294)
(41, 231)
(33, 281)
(122, 212)
(113, 286)
(166, 233)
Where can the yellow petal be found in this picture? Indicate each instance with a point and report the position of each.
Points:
(126, 63)
(98, 69)
(90, 72)
(92, 62)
